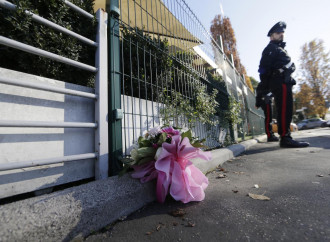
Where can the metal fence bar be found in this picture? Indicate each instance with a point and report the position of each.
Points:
(45, 124)
(114, 74)
(15, 82)
(38, 19)
(101, 104)
(78, 10)
(30, 49)
(24, 164)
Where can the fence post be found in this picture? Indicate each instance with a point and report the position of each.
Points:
(223, 54)
(115, 112)
(101, 104)
(224, 71)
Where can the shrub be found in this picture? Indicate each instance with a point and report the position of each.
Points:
(18, 26)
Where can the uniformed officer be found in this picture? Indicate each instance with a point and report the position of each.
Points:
(275, 71)
(265, 103)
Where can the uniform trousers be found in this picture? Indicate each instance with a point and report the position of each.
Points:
(284, 105)
(267, 108)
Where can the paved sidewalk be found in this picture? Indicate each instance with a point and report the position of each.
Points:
(297, 181)
(78, 211)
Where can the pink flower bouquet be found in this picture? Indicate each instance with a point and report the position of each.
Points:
(165, 154)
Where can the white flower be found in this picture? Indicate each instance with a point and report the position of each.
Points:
(154, 131)
(184, 129)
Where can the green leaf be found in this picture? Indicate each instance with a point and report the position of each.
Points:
(145, 152)
(145, 143)
(140, 139)
(187, 134)
(128, 161)
(162, 138)
(146, 159)
(124, 170)
(199, 145)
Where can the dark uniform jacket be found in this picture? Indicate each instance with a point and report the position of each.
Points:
(274, 57)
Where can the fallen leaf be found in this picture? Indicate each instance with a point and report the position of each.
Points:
(191, 224)
(148, 233)
(158, 227)
(258, 197)
(175, 223)
(235, 191)
(178, 212)
(221, 176)
(239, 172)
(256, 185)
(320, 175)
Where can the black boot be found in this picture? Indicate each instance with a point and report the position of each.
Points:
(288, 142)
(272, 138)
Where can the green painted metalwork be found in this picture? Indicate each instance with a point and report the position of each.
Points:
(115, 122)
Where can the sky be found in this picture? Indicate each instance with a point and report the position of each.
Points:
(251, 20)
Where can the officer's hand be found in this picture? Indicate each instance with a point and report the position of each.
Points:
(291, 69)
(258, 101)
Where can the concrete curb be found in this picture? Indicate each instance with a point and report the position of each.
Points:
(78, 211)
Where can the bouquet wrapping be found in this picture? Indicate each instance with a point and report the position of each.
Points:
(165, 154)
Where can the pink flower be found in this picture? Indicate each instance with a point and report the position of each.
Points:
(177, 174)
(155, 146)
(169, 130)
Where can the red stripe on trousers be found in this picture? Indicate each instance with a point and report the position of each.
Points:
(284, 96)
(267, 119)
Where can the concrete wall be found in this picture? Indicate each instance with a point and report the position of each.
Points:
(23, 144)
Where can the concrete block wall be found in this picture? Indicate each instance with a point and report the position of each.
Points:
(24, 144)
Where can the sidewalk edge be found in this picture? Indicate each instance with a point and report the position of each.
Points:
(81, 210)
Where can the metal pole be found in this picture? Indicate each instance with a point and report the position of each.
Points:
(48, 161)
(45, 124)
(38, 19)
(223, 69)
(101, 104)
(37, 86)
(33, 50)
(78, 10)
(115, 111)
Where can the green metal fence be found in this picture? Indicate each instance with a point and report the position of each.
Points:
(162, 59)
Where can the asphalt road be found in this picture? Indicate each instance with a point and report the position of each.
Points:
(297, 181)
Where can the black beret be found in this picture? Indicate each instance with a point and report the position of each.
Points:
(277, 28)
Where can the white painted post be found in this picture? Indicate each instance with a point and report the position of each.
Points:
(101, 104)
(223, 60)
